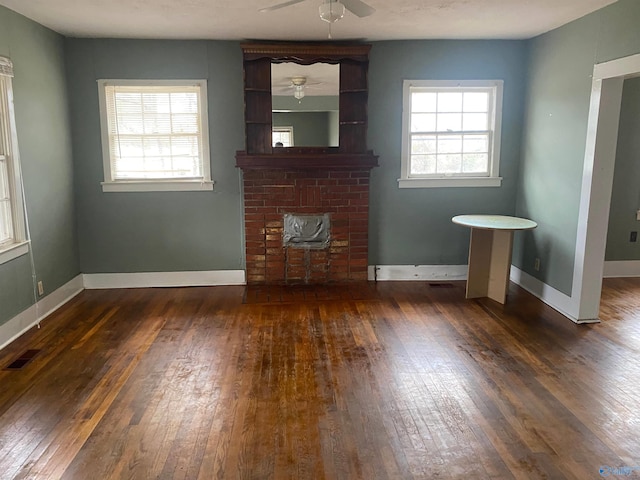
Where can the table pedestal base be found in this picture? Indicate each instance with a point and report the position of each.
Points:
(489, 264)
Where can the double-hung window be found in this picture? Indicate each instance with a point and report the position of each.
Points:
(451, 133)
(283, 135)
(13, 241)
(154, 135)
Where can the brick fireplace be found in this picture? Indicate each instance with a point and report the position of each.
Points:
(314, 187)
(333, 187)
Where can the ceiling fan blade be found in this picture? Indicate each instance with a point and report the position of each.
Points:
(358, 7)
(280, 5)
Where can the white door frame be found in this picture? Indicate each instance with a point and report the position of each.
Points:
(597, 183)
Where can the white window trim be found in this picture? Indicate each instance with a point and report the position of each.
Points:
(492, 180)
(288, 129)
(157, 186)
(9, 139)
(169, 185)
(14, 250)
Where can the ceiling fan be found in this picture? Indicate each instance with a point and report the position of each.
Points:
(298, 84)
(332, 10)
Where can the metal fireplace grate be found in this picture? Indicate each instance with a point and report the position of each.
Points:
(306, 231)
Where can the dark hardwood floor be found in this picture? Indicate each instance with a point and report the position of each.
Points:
(372, 381)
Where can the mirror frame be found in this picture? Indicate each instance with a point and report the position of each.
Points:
(354, 63)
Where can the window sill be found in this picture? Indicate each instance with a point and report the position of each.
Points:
(449, 182)
(169, 186)
(13, 251)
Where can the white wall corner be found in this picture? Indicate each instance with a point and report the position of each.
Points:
(557, 300)
(439, 273)
(164, 279)
(22, 322)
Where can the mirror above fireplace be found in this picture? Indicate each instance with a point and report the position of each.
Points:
(305, 104)
(352, 60)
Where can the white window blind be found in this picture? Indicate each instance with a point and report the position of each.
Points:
(155, 132)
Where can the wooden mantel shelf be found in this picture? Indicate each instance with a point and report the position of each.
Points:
(305, 161)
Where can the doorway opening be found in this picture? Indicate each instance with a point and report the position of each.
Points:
(597, 182)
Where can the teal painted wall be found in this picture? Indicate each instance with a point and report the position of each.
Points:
(334, 128)
(314, 119)
(559, 89)
(625, 199)
(310, 129)
(413, 226)
(151, 232)
(310, 103)
(158, 231)
(42, 118)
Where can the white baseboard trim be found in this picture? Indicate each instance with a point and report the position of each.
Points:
(22, 322)
(622, 268)
(164, 279)
(549, 295)
(18, 325)
(382, 273)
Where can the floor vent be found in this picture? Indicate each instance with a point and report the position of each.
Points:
(22, 360)
(441, 285)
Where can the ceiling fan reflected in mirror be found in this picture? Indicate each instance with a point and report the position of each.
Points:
(331, 10)
(298, 84)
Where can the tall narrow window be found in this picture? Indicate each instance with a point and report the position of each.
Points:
(451, 131)
(13, 242)
(155, 135)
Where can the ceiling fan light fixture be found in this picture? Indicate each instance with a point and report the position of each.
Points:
(331, 11)
(298, 92)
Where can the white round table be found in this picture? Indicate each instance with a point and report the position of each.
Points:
(490, 253)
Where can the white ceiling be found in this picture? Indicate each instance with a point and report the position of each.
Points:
(241, 20)
(322, 79)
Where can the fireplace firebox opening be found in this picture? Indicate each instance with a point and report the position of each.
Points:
(306, 231)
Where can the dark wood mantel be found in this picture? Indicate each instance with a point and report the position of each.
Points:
(306, 160)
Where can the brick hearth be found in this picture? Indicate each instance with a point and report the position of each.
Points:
(341, 192)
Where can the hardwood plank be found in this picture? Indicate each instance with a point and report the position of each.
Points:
(371, 381)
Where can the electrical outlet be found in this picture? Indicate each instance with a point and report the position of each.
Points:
(40, 288)
(633, 237)
(536, 265)
(638, 215)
